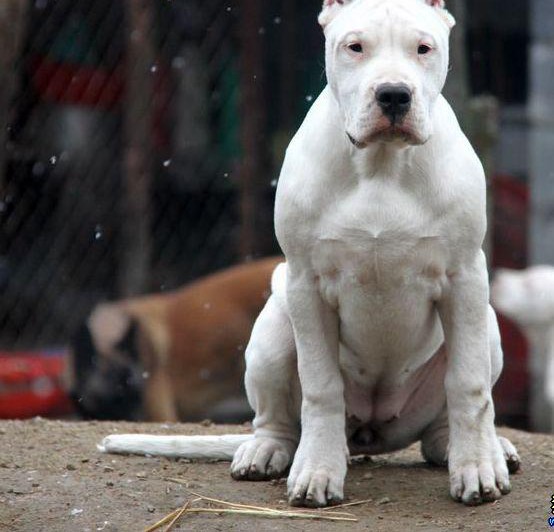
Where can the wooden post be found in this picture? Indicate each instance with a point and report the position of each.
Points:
(137, 179)
(12, 29)
(252, 105)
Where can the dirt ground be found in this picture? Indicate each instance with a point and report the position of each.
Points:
(53, 479)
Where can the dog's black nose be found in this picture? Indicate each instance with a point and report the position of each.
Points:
(394, 99)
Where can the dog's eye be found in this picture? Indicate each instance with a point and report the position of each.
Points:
(356, 47)
(423, 49)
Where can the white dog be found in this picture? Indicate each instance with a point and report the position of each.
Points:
(379, 332)
(527, 298)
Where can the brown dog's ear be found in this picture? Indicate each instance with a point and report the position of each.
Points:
(108, 324)
(440, 5)
(330, 9)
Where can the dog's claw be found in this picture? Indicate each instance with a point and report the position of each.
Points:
(490, 494)
(513, 464)
(473, 499)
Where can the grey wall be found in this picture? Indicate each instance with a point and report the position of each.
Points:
(541, 141)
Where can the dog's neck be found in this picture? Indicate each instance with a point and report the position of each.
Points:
(382, 158)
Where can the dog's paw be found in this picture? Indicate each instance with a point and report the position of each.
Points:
(478, 475)
(317, 480)
(262, 459)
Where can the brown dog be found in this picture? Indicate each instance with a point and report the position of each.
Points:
(174, 356)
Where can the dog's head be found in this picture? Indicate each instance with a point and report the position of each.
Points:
(525, 296)
(107, 375)
(386, 63)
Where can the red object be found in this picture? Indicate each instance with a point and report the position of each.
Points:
(31, 385)
(510, 223)
(76, 84)
(97, 87)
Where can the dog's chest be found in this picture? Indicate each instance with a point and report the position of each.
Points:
(379, 239)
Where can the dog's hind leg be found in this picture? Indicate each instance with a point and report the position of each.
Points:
(273, 389)
(434, 442)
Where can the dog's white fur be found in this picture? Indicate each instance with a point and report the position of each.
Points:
(381, 311)
(194, 447)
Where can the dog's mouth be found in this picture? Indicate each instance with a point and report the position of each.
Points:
(356, 143)
(386, 134)
(391, 133)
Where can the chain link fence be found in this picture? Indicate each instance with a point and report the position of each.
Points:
(140, 149)
(144, 140)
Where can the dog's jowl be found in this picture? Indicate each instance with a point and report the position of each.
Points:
(378, 332)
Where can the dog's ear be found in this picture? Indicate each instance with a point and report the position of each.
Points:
(108, 323)
(449, 20)
(128, 344)
(330, 9)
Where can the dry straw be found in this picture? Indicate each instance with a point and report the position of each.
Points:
(221, 507)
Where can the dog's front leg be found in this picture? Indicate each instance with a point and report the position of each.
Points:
(317, 473)
(476, 463)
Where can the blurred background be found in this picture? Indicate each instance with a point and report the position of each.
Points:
(141, 143)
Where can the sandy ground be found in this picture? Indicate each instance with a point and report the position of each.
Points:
(53, 479)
